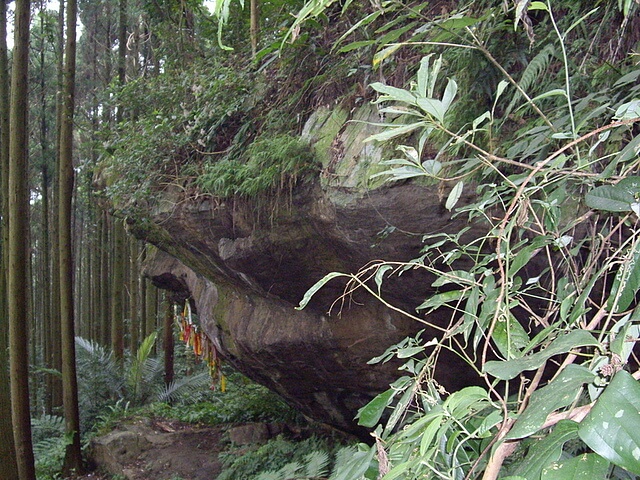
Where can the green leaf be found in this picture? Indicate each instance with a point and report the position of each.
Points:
(624, 333)
(385, 53)
(629, 152)
(432, 107)
(547, 450)
(422, 77)
(356, 467)
(369, 415)
(454, 195)
(539, 6)
(317, 286)
(627, 282)
(430, 432)
(449, 94)
(393, 93)
(432, 167)
(510, 337)
(356, 45)
(440, 299)
(380, 274)
(588, 466)
(628, 110)
(524, 256)
(394, 131)
(612, 428)
(365, 21)
(408, 352)
(551, 93)
(615, 198)
(458, 277)
(399, 410)
(561, 392)
(506, 370)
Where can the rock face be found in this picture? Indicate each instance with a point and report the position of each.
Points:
(246, 265)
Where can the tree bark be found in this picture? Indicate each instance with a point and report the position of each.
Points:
(8, 466)
(254, 28)
(56, 335)
(134, 289)
(18, 281)
(105, 272)
(73, 455)
(117, 310)
(168, 343)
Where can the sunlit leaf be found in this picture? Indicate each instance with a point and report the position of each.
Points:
(395, 131)
(628, 110)
(454, 195)
(394, 93)
(385, 53)
(432, 107)
(317, 286)
(449, 94)
(459, 277)
(432, 167)
(380, 274)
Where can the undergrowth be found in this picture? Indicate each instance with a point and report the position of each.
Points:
(243, 401)
(273, 163)
(281, 458)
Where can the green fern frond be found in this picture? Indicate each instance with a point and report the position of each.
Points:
(536, 68)
(316, 464)
(290, 470)
(183, 388)
(141, 368)
(46, 427)
(269, 476)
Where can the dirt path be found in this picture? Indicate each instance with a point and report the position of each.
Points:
(159, 450)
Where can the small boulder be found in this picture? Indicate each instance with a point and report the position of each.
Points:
(249, 433)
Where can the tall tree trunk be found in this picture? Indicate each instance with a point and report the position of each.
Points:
(73, 455)
(105, 273)
(134, 289)
(56, 335)
(45, 276)
(117, 310)
(152, 310)
(8, 466)
(143, 297)
(254, 28)
(168, 343)
(18, 283)
(122, 48)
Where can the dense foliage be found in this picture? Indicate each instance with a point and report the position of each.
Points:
(543, 304)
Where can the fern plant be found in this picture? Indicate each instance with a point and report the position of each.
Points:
(49, 444)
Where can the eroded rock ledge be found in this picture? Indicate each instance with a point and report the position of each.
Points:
(246, 265)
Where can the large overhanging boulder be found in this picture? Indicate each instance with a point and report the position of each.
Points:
(246, 264)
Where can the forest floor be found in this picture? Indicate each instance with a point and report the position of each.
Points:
(158, 449)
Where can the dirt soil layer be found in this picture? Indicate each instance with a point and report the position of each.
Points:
(160, 450)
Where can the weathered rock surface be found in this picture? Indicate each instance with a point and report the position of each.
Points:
(246, 265)
(159, 450)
